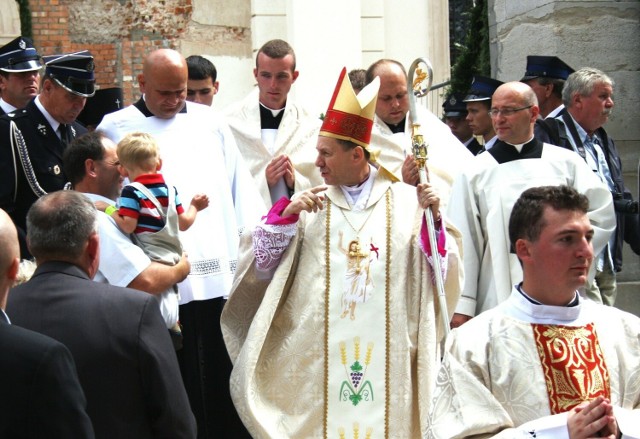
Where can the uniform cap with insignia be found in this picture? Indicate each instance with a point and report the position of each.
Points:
(103, 102)
(73, 72)
(19, 55)
(482, 88)
(350, 117)
(546, 67)
(454, 106)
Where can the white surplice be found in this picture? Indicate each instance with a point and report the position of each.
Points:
(481, 201)
(199, 155)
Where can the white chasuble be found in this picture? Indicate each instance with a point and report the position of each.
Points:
(343, 341)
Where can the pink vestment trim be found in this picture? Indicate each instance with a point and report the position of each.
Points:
(274, 216)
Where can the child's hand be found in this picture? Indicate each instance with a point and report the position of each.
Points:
(200, 201)
(101, 205)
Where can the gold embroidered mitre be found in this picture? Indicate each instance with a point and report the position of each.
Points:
(350, 117)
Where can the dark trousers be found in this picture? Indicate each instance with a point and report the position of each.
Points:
(206, 369)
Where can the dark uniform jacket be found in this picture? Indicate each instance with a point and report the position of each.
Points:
(126, 362)
(44, 150)
(475, 147)
(41, 395)
(557, 132)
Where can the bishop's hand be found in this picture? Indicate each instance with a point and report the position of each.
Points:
(310, 200)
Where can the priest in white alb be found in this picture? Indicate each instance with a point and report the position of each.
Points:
(333, 323)
(545, 363)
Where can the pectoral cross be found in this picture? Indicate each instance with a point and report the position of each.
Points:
(359, 256)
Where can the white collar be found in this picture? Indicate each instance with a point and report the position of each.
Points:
(358, 196)
(6, 106)
(54, 123)
(519, 146)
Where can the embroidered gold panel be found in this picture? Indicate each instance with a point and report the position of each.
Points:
(573, 365)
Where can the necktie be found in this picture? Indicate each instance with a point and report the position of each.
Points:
(65, 138)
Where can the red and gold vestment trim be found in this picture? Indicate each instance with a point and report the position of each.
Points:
(572, 363)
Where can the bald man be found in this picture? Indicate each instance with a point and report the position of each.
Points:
(41, 394)
(483, 195)
(199, 155)
(392, 132)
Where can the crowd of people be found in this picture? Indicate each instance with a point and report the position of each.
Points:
(303, 291)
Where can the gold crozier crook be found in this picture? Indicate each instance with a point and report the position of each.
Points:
(419, 82)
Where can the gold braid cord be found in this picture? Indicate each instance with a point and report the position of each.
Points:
(327, 290)
(327, 293)
(387, 285)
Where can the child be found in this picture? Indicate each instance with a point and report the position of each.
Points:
(151, 211)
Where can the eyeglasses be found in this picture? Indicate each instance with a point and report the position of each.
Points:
(494, 112)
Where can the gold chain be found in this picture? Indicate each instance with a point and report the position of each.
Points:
(357, 232)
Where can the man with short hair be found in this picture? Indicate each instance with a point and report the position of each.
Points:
(478, 102)
(202, 85)
(392, 132)
(545, 363)
(455, 116)
(20, 67)
(199, 155)
(546, 76)
(270, 127)
(332, 323)
(588, 98)
(41, 394)
(126, 363)
(33, 139)
(483, 195)
(91, 164)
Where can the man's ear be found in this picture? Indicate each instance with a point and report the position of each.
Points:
(141, 82)
(159, 165)
(295, 76)
(90, 167)
(522, 249)
(93, 255)
(13, 270)
(358, 153)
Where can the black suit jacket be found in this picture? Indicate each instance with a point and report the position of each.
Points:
(41, 395)
(122, 349)
(45, 153)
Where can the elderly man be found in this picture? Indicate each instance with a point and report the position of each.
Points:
(483, 195)
(32, 139)
(41, 394)
(545, 363)
(20, 67)
(391, 132)
(588, 98)
(199, 156)
(126, 363)
(269, 127)
(343, 339)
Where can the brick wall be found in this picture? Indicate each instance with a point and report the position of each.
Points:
(118, 34)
